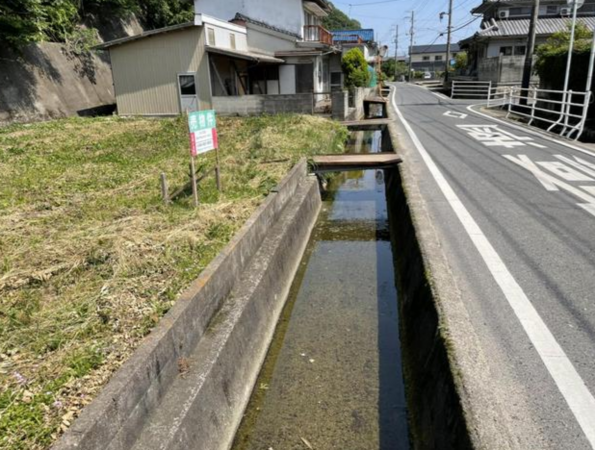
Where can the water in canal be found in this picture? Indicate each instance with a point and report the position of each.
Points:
(333, 376)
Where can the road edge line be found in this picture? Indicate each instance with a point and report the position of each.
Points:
(572, 387)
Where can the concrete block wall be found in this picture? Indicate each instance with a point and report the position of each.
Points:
(340, 105)
(247, 105)
(357, 112)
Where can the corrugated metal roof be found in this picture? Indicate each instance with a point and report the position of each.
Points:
(544, 27)
(347, 35)
(436, 48)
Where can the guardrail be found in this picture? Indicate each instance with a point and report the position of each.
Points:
(471, 89)
(569, 110)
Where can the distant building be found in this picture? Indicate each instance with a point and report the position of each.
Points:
(497, 51)
(431, 58)
(237, 56)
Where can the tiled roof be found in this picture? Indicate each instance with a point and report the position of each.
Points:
(437, 48)
(244, 18)
(544, 27)
(366, 35)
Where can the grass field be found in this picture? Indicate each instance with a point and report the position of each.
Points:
(90, 258)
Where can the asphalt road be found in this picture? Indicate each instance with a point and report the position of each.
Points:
(519, 233)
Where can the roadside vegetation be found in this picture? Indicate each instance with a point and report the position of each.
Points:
(90, 258)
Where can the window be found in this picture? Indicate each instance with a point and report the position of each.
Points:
(336, 78)
(438, 58)
(519, 12)
(210, 36)
(551, 10)
(506, 51)
(520, 50)
(187, 85)
(232, 41)
(425, 58)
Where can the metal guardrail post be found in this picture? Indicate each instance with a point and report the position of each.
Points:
(510, 102)
(562, 111)
(533, 106)
(580, 127)
(567, 113)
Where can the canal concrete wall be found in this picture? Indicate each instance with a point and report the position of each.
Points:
(451, 404)
(188, 383)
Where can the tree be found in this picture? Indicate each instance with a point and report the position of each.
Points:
(26, 21)
(461, 61)
(552, 55)
(394, 69)
(355, 68)
(338, 20)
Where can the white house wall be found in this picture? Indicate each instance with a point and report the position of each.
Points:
(284, 14)
(287, 79)
(223, 32)
(495, 44)
(268, 41)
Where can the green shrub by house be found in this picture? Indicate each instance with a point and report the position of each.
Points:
(355, 69)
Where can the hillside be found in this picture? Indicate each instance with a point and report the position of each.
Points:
(47, 66)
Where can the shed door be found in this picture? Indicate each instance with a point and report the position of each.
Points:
(187, 92)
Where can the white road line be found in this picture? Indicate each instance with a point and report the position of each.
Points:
(535, 144)
(567, 379)
(518, 127)
(530, 131)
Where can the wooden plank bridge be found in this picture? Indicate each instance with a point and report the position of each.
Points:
(355, 161)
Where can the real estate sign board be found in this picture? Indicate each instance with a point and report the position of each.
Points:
(203, 131)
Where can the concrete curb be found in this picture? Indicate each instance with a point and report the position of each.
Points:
(115, 419)
(433, 296)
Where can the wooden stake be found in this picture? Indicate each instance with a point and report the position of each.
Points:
(218, 171)
(193, 181)
(164, 190)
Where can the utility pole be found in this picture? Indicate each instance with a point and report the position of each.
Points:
(396, 43)
(529, 55)
(411, 33)
(449, 30)
(575, 5)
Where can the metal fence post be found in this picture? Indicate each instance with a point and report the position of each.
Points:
(533, 106)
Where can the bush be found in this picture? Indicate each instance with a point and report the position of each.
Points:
(355, 68)
(551, 56)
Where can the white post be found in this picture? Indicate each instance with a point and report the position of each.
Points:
(591, 63)
(581, 125)
(571, 46)
(567, 113)
(533, 106)
(510, 102)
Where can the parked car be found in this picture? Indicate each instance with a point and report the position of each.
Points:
(427, 76)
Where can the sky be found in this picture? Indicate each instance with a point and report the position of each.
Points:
(384, 15)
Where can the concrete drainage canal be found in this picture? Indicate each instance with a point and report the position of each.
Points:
(333, 375)
(353, 359)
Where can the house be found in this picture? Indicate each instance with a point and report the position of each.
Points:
(244, 56)
(290, 30)
(497, 51)
(348, 39)
(431, 58)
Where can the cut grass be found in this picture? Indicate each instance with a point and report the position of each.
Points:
(90, 258)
